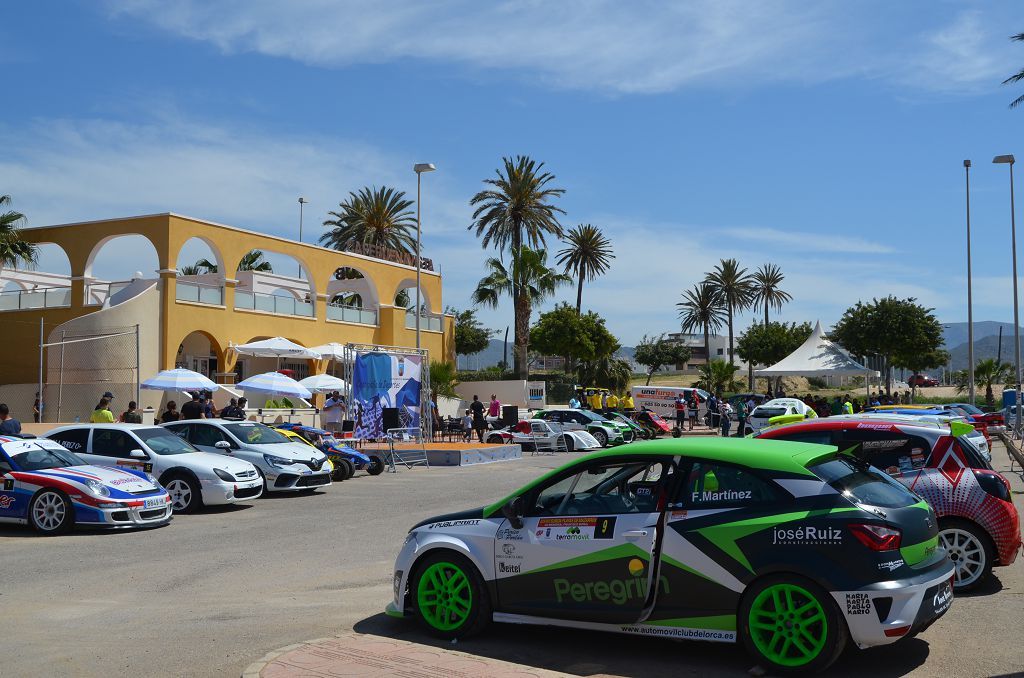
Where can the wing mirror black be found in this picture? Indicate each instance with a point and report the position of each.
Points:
(513, 510)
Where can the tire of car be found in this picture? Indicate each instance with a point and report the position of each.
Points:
(266, 485)
(343, 470)
(495, 439)
(50, 512)
(971, 550)
(376, 466)
(448, 596)
(676, 431)
(570, 445)
(185, 492)
(791, 624)
(601, 437)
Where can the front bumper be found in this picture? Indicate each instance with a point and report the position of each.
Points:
(218, 492)
(126, 515)
(295, 478)
(883, 613)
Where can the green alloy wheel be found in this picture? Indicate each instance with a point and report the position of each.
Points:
(450, 599)
(793, 626)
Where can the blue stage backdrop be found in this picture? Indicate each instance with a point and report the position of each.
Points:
(382, 380)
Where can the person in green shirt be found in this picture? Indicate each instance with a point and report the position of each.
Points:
(847, 406)
(102, 413)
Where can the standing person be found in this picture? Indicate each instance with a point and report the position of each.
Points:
(847, 405)
(102, 413)
(242, 404)
(37, 409)
(573, 403)
(494, 411)
(206, 400)
(692, 409)
(628, 406)
(331, 414)
(603, 400)
(741, 417)
(437, 426)
(132, 414)
(612, 402)
(231, 411)
(171, 413)
(713, 411)
(467, 427)
(681, 412)
(192, 409)
(8, 424)
(479, 423)
(725, 417)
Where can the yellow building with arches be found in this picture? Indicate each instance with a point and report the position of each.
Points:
(340, 297)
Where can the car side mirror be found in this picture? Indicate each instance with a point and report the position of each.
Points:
(137, 454)
(513, 510)
(222, 445)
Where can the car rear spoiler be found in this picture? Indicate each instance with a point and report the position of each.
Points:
(785, 419)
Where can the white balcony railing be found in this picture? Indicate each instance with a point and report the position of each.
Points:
(47, 297)
(199, 293)
(434, 323)
(273, 303)
(351, 314)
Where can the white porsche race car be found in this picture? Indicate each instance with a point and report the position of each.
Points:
(537, 435)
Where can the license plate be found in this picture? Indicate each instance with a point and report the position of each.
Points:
(155, 502)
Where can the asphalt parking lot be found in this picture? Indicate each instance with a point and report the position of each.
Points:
(210, 593)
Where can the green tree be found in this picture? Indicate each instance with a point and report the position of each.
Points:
(988, 372)
(14, 250)
(734, 287)
(769, 343)
(701, 309)
(515, 214)
(653, 352)
(252, 261)
(373, 216)
(918, 362)
(588, 255)
(717, 376)
(470, 336)
(766, 292)
(893, 329)
(1018, 76)
(529, 277)
(443, 378)
(564, 332)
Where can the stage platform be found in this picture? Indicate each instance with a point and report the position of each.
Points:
(458, 454)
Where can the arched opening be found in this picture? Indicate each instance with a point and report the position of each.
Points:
(249, 366)
(272, 282)
(352, 297)
(199, 352)
(115, 262)
(47, 284)
(200, 272)
(405, 297)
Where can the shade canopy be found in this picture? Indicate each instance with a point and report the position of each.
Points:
(274, 383)
(278, 347)
(323, 383)
(331, 351)
(816, 357)
(179, 379)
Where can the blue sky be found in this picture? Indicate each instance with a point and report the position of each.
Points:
(825, 137)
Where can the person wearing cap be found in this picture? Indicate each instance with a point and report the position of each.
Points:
(102, 413)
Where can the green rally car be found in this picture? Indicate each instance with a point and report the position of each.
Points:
(792, 549)
(606, 431)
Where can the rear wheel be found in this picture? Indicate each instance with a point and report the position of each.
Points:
(449, 596)
(971, 551)
(601, 437)
(570, 444)
(376, 466)
(50, 512)
(495, 439)
(791, 624)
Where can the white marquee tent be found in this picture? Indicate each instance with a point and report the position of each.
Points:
(816, 357)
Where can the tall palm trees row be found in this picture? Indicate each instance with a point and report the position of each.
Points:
(727, 290)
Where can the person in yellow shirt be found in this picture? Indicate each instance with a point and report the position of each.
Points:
(627, 403)
(613, 402)
(102, 413)
(595, 401)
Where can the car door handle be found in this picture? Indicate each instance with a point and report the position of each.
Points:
(634, 534)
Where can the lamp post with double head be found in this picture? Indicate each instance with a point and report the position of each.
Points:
(419, 168)
(1009, 160)
(302, 201)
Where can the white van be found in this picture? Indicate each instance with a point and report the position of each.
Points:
(662, 399)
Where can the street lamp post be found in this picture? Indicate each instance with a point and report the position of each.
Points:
(1009, 160)
(419, 168)
(302, 201)
(970, 309)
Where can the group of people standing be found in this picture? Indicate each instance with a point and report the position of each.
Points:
(721, 412)
(603, 402)
(475, 418)
(201, 406)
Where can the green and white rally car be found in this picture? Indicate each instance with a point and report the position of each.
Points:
(791, 548)
(606, 431)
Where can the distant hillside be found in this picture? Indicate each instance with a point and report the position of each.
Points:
(956, 333)
(492, 355)
(984, 348)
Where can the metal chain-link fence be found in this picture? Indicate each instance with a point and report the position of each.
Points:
(82, 366)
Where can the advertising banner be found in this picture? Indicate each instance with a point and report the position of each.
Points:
(382, 380)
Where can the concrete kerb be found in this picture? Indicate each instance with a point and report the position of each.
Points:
(253, 670)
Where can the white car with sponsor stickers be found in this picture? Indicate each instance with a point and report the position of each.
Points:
(192, 478)
(537, 435)
(793, 549)
(777, 411)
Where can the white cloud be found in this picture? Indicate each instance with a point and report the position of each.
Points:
(606, 45)
(808, 242)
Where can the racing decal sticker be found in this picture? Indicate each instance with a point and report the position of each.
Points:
(575, 528)
(858, 603)
(508, 560)
(720, 495)
(453, 523)
(8, 484)
(615, 591)
(6, 501)
(511, 534)
(806, 535)
(891, 565)
(941, 598)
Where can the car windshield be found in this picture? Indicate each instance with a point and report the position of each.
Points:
(863, 484)
(163, 441)
(255, 434)
(42, 458)
(591, 416)
(769, 412)
(970, 409)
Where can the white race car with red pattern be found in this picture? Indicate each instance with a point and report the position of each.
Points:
(50, 488)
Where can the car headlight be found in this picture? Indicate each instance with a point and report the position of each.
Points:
(99, 489)
(223, 475)
(277, 461)
(151, 478)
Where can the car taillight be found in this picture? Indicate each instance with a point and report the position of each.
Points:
(876, 537)
(993, 483)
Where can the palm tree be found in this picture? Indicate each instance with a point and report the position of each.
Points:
(373, 216)
(1013, 79)
(766, 292)
(14, 250)
(528, 274)
(513, 214)
(717, 376)
(611, 372)
(734, 287)
(252, 261)
(701, 309)
(587, 256)
(988, 372)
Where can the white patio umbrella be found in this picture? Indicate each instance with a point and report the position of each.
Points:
(278, 347)
(331, 351)
(274, 383)
(179, 379)
(323, 383)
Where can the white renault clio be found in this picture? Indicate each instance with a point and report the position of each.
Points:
(192, 478)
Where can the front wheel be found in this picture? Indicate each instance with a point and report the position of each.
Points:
(449, 597)
(50, 512)
(791, 624)
(601, 437)
(343, 470)
(376, 466)
(971, 551)
(570, 445)
(184, 493)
